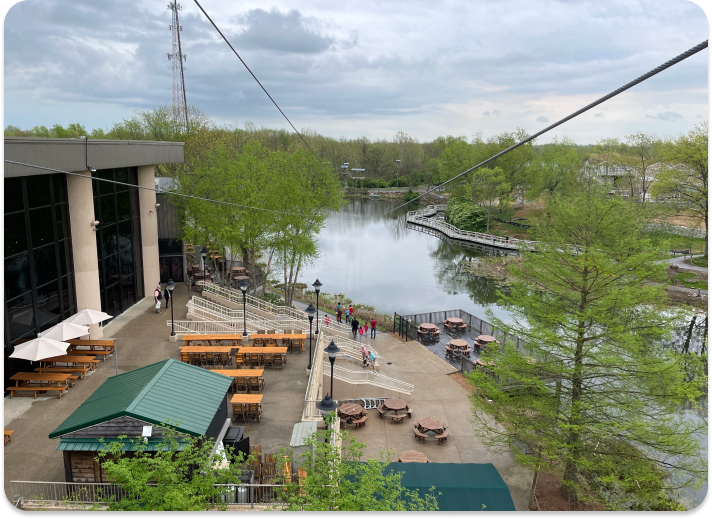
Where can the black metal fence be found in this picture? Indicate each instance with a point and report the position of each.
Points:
(404, 327)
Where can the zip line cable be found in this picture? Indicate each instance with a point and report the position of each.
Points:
(255, 78)
(156, 190)
(666, 65)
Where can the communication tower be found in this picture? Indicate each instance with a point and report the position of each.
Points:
(176, 59)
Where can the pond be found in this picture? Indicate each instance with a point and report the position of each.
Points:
(373, 257)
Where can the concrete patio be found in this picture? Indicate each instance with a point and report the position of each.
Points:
(143, 338)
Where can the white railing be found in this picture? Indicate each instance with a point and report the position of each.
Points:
(339, 327)
(313, 394)
(201, 327)
(367, 377)
(235, 296)
(212, 311)
(353, 348)
(77, 494)
(423, 217)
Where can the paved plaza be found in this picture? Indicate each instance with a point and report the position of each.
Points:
(143, 338)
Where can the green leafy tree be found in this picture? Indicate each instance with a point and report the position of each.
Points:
(591, 393)
(686, 181)
(181, 474)
(489, 186)
(556, 168)
(337, 480)
(465, 215)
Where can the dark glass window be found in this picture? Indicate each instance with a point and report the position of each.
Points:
(123, 205)
(38, 190)
(17, 276)
(105, 188)
(15, 233)
(48, 303)
(64, 260)
(125, 234)
(126, 257)
(60, 195)
(109, 239)
(20, 314)
(68, 291)
(121, 175)
(13, 195)
(45, 263)
(62, 231)
(108, 210)
(41, 227)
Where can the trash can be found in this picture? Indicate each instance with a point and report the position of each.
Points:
(233, 438)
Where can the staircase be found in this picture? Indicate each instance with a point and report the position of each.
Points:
(235, 296)
(367, 377)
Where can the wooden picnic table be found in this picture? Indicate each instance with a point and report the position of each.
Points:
(240, 372)
(253, 398)
(413, 457)
(82, 361)
(451, 320)
(487, 338)
(275, 336)
(265, 349)
(236, 338)
(429, 424)
(103, 353)
(207, 349)
(395, 404)
(35, 382)
(429, 326)
(352, 410)
(100, 344)
(458, 343)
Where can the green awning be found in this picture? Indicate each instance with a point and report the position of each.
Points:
(464, 486)
(94, 445)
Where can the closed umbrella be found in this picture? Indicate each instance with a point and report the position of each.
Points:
(40, 348)
(64, 331)
(88, 316)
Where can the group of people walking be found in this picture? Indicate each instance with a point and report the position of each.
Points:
(357, 328)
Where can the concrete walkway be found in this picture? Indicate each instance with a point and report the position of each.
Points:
(679, 262)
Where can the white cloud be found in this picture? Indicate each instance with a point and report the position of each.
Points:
(363, 68)
(541, 119)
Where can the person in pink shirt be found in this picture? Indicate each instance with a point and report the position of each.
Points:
(360, 333)
(364, 354)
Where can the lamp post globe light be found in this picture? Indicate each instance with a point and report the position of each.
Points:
(170, 286)
(332, 349)
(317, 287)
(327, 406)
(310, 311)
(243, 288)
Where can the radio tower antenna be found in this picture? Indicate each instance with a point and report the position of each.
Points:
(176, 58)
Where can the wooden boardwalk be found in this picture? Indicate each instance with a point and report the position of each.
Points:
(438, 347)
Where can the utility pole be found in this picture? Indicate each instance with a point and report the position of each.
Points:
(180, 102)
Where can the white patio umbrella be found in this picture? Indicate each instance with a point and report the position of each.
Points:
(40, 348)
(88, 316)
(64, 331)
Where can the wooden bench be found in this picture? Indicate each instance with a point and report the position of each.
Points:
(7, 435)
(105, 352)
(409, 410)
(397, 418)
(361, 422)
(442, 438)
(381, 411)
(35, 389)
(419, 435)
(82, 371)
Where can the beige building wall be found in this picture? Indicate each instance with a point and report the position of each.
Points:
(86, 271)
(149, 229)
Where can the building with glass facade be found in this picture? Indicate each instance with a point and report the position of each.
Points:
(58, 260)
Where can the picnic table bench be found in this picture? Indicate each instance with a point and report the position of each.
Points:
(35, 382)
(82, 371)
(103, 353)
(95, 344)
(83, 361)
(7, 435)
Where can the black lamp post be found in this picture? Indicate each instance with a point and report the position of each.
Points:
(332, 349)
(327, 406)
(310, 311)
(170, 286)
(317, 287)
(204, 256)
(243, 287)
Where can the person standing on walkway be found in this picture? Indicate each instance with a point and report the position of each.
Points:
(348, 317)
(360, 334)
(351, 311)
(338, 307)
(166, 296)
(364, 354)
(157, 298)
(354, 327)
(372, 361)
(365, 328)
(373, 327)
(338, 315)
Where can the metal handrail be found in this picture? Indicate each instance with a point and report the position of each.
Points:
(313, 394)
(353, 346)
(206, 308)
(368, 377)
(422, 217)
(236, 297)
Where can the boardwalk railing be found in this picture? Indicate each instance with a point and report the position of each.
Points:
(424, 217)
(235, 296)
(477, 324)
(367, 377)
(89, 494)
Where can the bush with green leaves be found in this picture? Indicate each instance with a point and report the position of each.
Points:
(336, 479)
(466, 215)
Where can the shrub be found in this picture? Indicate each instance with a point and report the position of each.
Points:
(466, 215)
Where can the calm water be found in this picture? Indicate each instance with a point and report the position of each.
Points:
(375, 259)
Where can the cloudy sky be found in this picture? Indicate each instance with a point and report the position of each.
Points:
(372, 68)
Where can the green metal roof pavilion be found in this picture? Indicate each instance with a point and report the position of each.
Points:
(168, 391)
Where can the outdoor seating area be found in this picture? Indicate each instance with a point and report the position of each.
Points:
(428, 331)
(458, 347)
(352, 414)
(396, 409)
(246, 407)
(431, 428)
(245, 380)
(455, 324)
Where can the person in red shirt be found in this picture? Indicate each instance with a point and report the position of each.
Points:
(373, 327)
